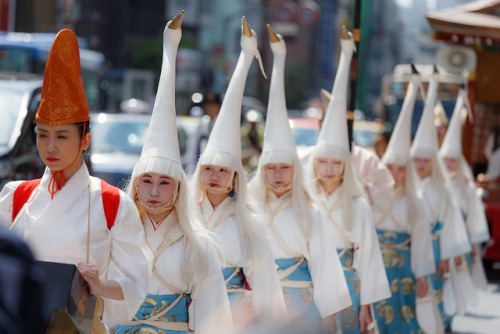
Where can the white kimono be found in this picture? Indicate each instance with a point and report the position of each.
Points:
(210, 306)
(441, 207)
(397, 219)
(267, 298)
(471, 205)
(367, 257)
(375, 177)
(330, 292)
(56, 231)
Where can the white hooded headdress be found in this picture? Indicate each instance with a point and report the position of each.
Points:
(279, 145)
(160, 153)
(425, 144)
(452, 143)
(333, 140)
(398, 150)
(224, 144)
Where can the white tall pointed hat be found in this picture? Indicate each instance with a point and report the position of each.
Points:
(224, 144)
(452, 144)
(160, 153)
(279, 145)
(333, 140)
(398, 150)
(425, 144)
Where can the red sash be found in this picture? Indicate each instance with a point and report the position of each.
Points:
(110, 199)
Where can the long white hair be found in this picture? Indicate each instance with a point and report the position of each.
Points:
(197, 237)
(248, 227)
(351, 190)
(300, 199)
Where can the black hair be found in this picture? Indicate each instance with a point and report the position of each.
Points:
(80, 127)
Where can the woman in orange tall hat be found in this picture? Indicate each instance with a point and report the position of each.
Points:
(68, 216)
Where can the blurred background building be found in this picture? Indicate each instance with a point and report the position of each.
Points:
(129, 35)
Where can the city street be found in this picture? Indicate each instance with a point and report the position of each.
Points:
(485, 318)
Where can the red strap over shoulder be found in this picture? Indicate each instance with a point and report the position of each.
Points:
(22, 194)
(110, 201)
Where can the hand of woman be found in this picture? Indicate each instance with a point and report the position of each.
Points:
(91, 274)
(443, 267)
(106, 288)
(458, 261)
(422, 287)
(330, 324)
(365, 319)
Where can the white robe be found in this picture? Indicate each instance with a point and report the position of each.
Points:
(56, 231)
(267, 298)
(441, 207)
(330, 291)
(210, 305)
(367, 256)
(471, 205)
(398, 219)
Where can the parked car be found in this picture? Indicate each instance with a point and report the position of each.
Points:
(117, 140)
(19, 98)
(305, 132)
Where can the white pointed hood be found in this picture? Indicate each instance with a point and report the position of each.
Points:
(425, 144)
(333, 140)
(398, 150)
(160, 153)
(279, 145)
(452, 144)
(224, 144)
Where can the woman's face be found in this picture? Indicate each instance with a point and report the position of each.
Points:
(423, 167)
(398, 173)
(279, 177)
(451, 164)
(217, 179)
(330, 171)
(156, 190)
(59, 145)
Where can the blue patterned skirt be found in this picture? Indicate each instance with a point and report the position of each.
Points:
(298, 294)
(152, 305)
(238, 293)
(397, 313)
(348, 318)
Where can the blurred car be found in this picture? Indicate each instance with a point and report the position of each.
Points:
(305, 132)
(19, 98)
(117, 140)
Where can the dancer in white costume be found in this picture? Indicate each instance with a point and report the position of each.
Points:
(186, 291)
(219, 186)
(447, 225)
(66, 216)
(335, 189)
(464, 190)
(404, 233)
(310, 272)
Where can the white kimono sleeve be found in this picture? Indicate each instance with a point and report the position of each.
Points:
(367, 256)
(210, 306)
(476, 222)
(6, 200)
(454, 239)
(421, 251)
(331, 294)
(130, 261)
(267, 296)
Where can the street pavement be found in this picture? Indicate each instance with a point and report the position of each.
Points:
(485, 317)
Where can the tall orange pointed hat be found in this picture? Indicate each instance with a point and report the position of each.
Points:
(63, 98)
